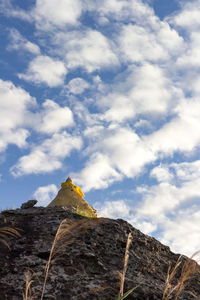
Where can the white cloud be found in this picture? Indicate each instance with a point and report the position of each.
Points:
(7, 8)
(144, 226)
(14, 105)
(188, 17)
(187, 170)
(47, 156)
(182, 233)
(44, 69)
(126, 151)
(139, 44)
(115, 154)
(88, 49)
(98, 173)
(113, 209)
(174, 135)
(121, 10)
(18, 42)
(122, 209)
(145, 89)
(159, 199)
(173, 206)
(77, 86)
(53, 118)
(17, 137)
(45, 194)
(189, 60)
(56, 13)
(162, 173)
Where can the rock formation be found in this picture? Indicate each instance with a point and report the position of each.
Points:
(71, 197)
(28, 204)
(88, 260)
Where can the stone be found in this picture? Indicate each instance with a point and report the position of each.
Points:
(69, 197)
(89, 263)
(28, 204)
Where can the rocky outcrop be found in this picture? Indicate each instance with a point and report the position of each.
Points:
(28, 204)
(88, 258)
(69, 197)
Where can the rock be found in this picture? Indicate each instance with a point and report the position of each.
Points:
(28, 204)
(89, 259)
(68, 197)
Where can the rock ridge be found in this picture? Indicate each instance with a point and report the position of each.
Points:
(90, 266)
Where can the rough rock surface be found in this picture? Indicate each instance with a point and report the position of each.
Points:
(89, 265)
(28, 204)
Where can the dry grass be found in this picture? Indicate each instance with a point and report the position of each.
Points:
(126, 257)
(67, 233)
(28, 295)
(5, 232)
(189, 269)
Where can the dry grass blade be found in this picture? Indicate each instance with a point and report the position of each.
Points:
(29, 281)
(67, 233)
(189, 269)
(126, 257)
(5, 232)
(28, 292)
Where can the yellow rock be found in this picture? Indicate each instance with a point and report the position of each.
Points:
(71, 196)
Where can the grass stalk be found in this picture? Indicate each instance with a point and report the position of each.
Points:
(5, 232)
(67, 233)
(189, 269)
(126, 257)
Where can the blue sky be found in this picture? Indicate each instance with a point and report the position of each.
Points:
(107, 92)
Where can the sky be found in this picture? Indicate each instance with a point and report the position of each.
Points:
(108, 93)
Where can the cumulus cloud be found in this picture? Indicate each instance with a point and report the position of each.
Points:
(161, 173)
(45, 194)
(47, 156)
(77, 86)
(44, 69)
(120, 10)
(52, 118)
(145, 89)
(185, 227)
(56, 13)
(173, 205)
(115, 154)
(9, 10)
(18, 42)
(188, 17)
(174, 135)
(138, 44)
(113, 209)
(190, 57)
(98, 173)
(14, 105)
(88, 49)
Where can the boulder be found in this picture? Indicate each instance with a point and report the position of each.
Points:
(28, 204)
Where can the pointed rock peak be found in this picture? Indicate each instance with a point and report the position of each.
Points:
(71, 197)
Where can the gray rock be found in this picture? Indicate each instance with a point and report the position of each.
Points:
(28, 204)
(89, 264)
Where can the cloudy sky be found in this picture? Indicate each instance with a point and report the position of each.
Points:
(108, 92)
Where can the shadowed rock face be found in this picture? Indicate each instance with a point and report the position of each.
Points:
(68, 197)
(89, 265)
